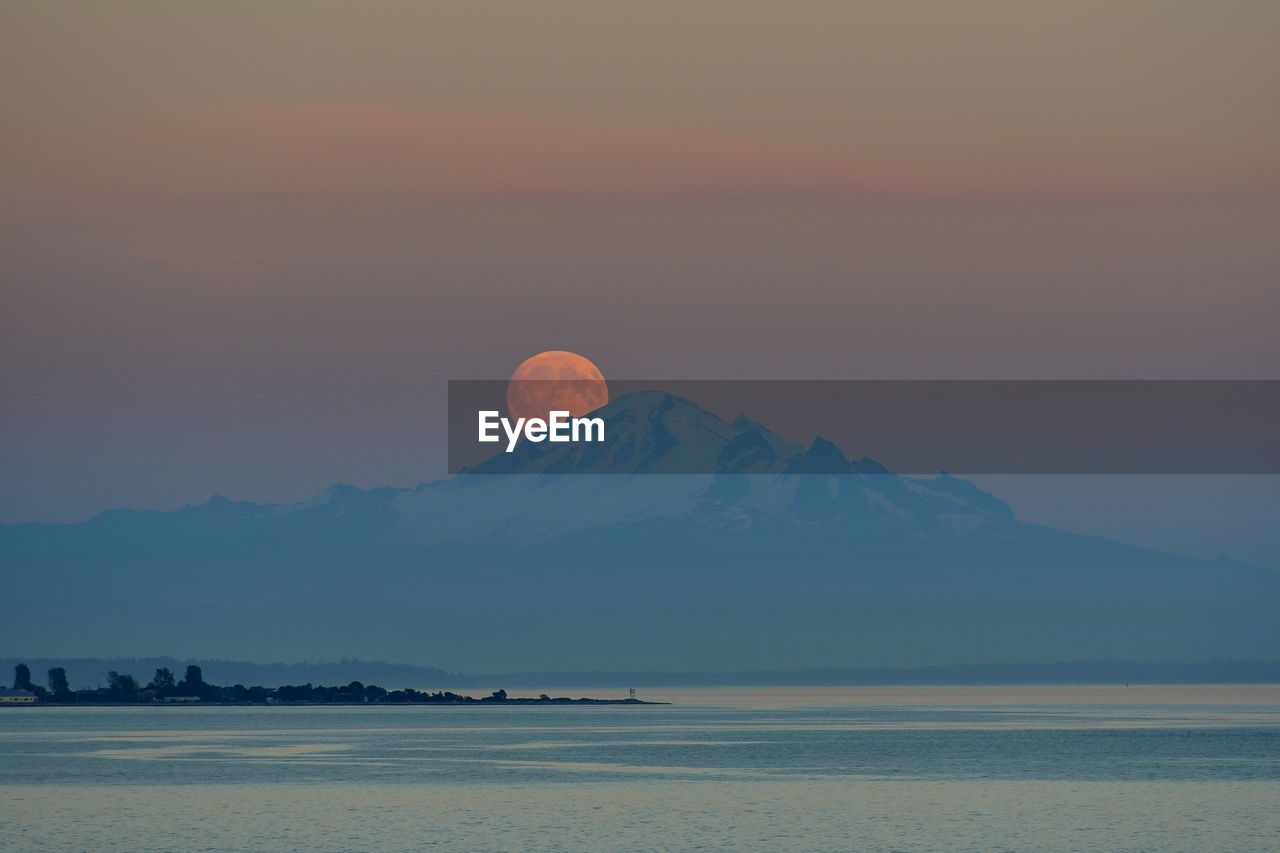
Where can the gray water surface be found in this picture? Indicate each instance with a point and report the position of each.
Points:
(869, 768)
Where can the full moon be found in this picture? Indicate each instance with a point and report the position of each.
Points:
(556, 380)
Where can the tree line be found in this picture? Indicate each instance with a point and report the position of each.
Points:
(166, 687)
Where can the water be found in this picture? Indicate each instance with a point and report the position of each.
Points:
(1178, 768)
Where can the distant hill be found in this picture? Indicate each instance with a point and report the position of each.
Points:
(1065, 672)
(790, 558)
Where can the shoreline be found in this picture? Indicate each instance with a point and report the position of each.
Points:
(472, 703)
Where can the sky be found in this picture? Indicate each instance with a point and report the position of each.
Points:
(245, 245)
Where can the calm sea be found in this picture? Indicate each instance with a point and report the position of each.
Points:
(1072, 768)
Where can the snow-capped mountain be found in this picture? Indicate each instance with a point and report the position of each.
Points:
(591, 558)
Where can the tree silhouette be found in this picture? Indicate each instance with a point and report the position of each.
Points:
(193, 683)
(22, 677)
(58, 686)
(163, 681)
(122, 687)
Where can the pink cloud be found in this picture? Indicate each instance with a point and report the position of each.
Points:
(356, 151)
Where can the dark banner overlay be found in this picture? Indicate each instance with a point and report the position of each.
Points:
(917, 427)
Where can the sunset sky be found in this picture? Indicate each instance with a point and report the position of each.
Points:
(246, 244)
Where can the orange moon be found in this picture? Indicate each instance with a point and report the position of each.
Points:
(556, 380)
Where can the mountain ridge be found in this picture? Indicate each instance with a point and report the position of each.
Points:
(788, 566)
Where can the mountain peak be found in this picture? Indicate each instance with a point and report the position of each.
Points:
(822, 457)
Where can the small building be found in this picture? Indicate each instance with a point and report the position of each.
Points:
(16, 697)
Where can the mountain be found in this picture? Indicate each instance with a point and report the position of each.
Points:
(787, 557)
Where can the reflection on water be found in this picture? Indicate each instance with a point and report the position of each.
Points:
(1167, 767)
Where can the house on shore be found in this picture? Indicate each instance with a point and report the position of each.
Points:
(16, 697)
